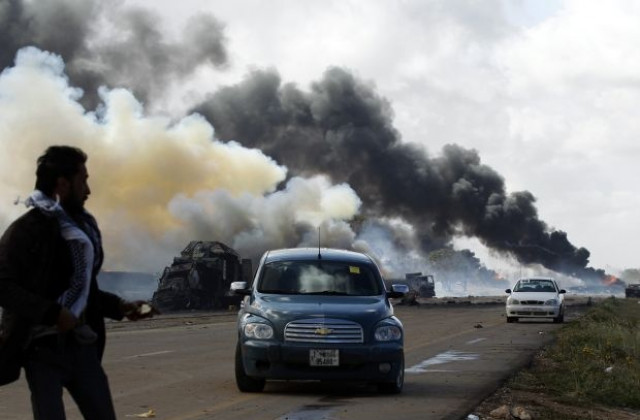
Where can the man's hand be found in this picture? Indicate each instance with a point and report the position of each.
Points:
(66, 320)
(139, 310)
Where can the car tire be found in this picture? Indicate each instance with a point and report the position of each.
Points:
(396, 386)
(244, 382)
(559, 319)
(511, 319)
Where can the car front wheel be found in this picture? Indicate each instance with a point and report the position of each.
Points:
(396, 386)
(559, 319)
(244, 382)
(511, 319)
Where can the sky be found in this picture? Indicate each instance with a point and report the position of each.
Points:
(543, 93)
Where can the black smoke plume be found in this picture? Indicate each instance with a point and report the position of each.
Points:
(341, 127)
(135, 54)
(344, 129)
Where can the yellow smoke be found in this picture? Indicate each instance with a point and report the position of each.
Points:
(156, 183)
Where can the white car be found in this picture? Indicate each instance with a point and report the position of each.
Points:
(537, 297)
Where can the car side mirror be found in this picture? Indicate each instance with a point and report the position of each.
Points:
(508, 291)
(562, 291)
(398, 291)
(240, 288)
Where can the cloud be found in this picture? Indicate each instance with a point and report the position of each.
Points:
(571, 83)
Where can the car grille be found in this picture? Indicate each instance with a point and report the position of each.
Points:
(532, 302)
(532, 313)
(321, 330)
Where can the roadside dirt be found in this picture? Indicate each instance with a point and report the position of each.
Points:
(539, 406)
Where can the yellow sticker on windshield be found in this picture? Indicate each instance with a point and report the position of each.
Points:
(354, 270)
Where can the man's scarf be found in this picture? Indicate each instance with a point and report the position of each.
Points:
(81, 244)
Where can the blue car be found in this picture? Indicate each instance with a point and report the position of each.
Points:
(318, 314)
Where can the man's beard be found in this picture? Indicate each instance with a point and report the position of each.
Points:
(73, 206)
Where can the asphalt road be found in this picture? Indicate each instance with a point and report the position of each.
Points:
(181, 367)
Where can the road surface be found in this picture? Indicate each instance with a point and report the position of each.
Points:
(181, 367)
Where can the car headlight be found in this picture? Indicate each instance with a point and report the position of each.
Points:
(388, 333)
(512, 301)
(258, 330)
(551, 302)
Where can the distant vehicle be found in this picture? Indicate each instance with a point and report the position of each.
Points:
(538, 297)
(422, 284)
(632, 290)
(315, 314)
(200, 278)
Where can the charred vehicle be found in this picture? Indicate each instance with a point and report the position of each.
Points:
(420, 285)
(200, 278)
(632, 290)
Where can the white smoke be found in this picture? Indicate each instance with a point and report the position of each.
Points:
(156, 183)
(388, 241)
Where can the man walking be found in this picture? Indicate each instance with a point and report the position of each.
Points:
(53, 311)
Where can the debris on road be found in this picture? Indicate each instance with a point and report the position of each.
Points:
(146, 415)
(520, 413)
(501, 412)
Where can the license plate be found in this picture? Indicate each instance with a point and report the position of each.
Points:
(324, 357)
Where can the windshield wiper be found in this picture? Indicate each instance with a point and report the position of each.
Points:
(279, 292)
(327, 292)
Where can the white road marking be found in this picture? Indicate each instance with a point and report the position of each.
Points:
(442, 358)
(149, 354)
(477, 340)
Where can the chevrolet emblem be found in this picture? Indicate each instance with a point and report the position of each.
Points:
(323, 331)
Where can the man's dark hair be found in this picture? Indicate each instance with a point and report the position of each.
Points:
(58, 161)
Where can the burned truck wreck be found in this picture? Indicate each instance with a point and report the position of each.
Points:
(420, 285)
(200, 278)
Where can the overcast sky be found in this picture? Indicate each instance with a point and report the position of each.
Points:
(546, 91)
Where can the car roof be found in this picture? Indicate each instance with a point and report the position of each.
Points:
(311, 254)
(536, 278)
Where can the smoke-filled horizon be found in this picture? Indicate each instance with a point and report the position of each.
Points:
(283, 160)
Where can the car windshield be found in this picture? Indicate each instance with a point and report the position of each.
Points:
(319, 277)
(534, 285)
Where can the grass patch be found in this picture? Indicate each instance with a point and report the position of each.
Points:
(595, 359)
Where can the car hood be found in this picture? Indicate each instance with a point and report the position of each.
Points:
(542, 296)
(282, 309)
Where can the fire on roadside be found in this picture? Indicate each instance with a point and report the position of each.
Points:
(609, 280)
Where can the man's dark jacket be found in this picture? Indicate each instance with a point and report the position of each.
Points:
(35, 268)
